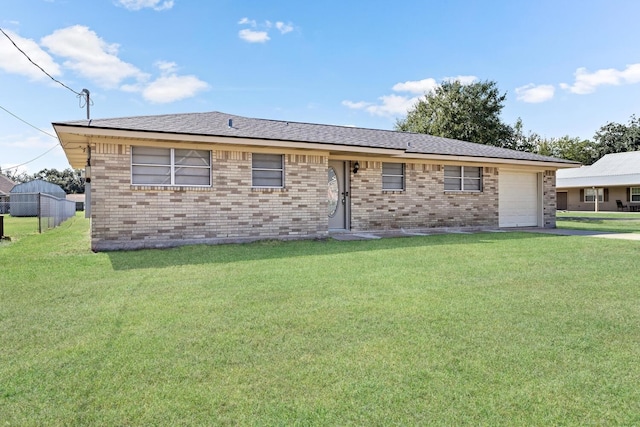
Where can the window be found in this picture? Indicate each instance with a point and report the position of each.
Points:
(170, 167)
(393, 176)
(589, 195)
(635, 194)
(267, 170)
(462, 178)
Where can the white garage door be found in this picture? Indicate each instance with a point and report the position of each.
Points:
(518, 199)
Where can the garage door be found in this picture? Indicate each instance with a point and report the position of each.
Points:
(518, 199)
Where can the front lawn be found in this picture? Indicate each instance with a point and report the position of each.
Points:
(481, 329)
(617, 222)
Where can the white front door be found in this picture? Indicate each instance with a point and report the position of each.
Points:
(337, 195)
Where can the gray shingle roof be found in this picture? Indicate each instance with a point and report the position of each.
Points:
(217, 124)
(618, 169)
(5, 185)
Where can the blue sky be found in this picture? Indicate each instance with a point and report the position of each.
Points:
(568, 67)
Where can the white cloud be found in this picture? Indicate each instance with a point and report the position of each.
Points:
(416, 86)
(15, 62)
(141, 4)
(284, 28)
(173, 88)
(356, 105)
(247, 21)
(394, 105)
(170, 87)
(254, 36)
(91, 57)
(464, 80)
(166, 67)
(260, 33)
(535, 93)
(587, 82)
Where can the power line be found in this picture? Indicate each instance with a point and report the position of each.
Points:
(39, 67)
(38, 129)
(32, 160)
(29, 124)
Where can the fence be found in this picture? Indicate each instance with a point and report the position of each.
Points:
(50, 210)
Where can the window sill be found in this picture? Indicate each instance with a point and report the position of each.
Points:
(386, 191)
(462, 192)
(139, 187)
(269, 189)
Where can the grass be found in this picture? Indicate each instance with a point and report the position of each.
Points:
(18, 227)
(617, 222)
(482, 329)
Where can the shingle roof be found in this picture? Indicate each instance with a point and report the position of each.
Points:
(6, 185)
(618, 169)
(217, 124)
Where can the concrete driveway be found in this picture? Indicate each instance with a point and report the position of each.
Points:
(368, 235)
(587, 233)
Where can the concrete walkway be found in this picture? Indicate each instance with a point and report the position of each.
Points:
(370, 235)
(588, 233)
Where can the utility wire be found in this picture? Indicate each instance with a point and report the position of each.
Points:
(38, 129)
(29, 124)
(41, 69)
(32, 160)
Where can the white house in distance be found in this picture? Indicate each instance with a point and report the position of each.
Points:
(615, 179)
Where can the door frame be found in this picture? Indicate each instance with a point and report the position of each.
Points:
(345, 167)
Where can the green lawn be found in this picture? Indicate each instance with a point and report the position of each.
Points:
(482, 329)
(617, 222)
(16, 228)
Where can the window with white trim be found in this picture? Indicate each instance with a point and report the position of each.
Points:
(462, 178)
(393, 176)
(267, 170)
(590, 195)
(635, 194)
(170, 167)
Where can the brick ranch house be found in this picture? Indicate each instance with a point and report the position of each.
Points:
(169, 180)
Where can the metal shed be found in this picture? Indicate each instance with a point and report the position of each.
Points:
(24, 197)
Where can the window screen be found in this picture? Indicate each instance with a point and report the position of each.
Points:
(393, 176)
(169, 166)
(267, 170)
(462, 178)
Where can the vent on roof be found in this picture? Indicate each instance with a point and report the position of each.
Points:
(231, 123)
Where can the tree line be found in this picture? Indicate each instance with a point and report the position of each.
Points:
(471, 112)
(69, 179)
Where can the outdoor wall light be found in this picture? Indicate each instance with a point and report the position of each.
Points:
(356, 167)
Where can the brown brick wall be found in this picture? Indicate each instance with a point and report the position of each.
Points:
(126, 216)
(549, 199)
(423, 204)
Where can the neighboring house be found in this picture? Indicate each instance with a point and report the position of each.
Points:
(168, 180)
(613, 178)
(5, 188)
(24, 197)
(78, 199)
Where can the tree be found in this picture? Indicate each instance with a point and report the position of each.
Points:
(576, 149)
(15, 176)
(521, 142)
(69, 179)
(466, 112)
(618, 138)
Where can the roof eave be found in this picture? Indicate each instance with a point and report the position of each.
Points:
(75, 139)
